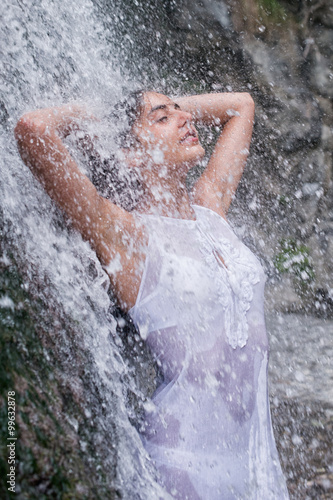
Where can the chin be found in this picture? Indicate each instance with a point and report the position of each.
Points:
(196, 154)
(202, 152)
(188, 158)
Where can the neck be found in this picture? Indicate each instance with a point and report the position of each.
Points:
(167, 197)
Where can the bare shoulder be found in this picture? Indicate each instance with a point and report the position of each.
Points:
(204, 197)
(124, 228)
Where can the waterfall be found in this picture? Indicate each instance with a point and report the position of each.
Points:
(51, 53)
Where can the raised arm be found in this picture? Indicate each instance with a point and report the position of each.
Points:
(109, 229)
(235, 113)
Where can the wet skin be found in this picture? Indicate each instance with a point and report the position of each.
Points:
(166, 133)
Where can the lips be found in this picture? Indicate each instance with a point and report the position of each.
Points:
(190, 136)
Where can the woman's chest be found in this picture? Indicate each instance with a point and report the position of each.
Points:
(202, 272)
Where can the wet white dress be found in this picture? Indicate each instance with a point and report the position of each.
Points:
(200, 309)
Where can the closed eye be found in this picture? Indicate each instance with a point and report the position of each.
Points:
(163, 119)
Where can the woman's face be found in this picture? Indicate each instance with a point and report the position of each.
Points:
(166, 133)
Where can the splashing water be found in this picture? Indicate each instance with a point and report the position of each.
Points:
(52, 53)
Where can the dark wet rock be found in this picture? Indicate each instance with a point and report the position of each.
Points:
(3, 114)
(56, 402)
(320, 68)
(304, 434)
(300, 378)
(320, 244)
(281, 295)
(324, 303)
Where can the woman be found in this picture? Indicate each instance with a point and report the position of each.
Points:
(192, 288)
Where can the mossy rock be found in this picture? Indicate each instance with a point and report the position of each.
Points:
(50, 462)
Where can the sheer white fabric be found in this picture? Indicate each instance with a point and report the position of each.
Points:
(200, 308)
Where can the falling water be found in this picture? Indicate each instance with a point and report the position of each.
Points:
(51, 53)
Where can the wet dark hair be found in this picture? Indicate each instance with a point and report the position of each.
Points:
(120, 185)
(127, 112)
(112, 179)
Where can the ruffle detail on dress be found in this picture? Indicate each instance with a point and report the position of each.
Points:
(236, 278)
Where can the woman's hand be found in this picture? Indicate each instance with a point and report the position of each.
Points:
(235, 113)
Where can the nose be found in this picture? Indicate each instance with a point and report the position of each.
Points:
(184, 117)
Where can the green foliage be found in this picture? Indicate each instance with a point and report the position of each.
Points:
(294, 259)
(284, 201)
(272, 10)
